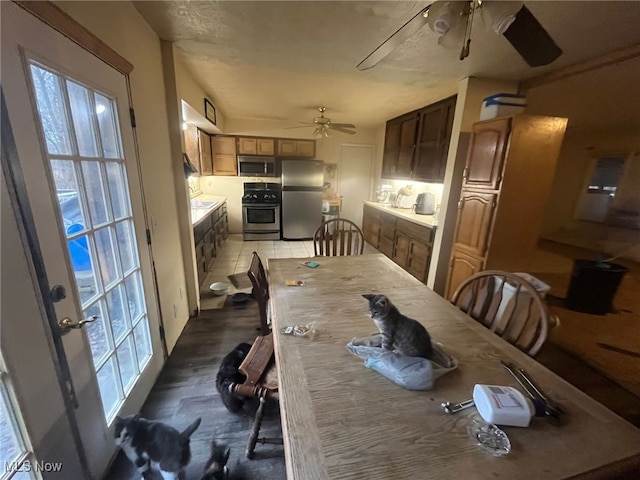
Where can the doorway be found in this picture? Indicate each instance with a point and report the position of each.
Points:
(355, 179)
(78, 198)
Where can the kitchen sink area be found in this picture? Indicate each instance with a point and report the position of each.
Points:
(203, 205)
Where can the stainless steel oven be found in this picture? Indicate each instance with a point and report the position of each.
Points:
(261, 211)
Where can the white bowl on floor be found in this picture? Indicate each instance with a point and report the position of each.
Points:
(220, 288)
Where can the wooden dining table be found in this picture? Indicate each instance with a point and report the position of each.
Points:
(342, 420)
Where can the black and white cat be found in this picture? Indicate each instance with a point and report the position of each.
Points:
(228, 374)
(152, 444)
(399, 332)
(216, 466)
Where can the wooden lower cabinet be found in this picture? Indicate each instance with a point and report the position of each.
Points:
(371, 225)
(201, 261)
(209, 236)
(413, 245)
(461, 266)
(406, 243)
(418, 259)
(386, 241)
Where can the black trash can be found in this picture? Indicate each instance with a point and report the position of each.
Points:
(593, 286)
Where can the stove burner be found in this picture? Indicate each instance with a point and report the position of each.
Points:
(261, 193)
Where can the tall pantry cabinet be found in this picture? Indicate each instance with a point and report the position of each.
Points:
(507, 181)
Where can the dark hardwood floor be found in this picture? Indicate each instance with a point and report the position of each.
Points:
(186, 390)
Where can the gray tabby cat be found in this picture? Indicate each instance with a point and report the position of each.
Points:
(399, 332)
(154, 444)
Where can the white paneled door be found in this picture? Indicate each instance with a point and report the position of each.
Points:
(70, 118)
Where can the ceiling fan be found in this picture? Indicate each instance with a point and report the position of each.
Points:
(452, 20)
(324, 125)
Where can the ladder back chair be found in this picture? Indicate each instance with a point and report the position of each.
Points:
(261, 382)
(338, 237)
(508, 305)
(260, 291)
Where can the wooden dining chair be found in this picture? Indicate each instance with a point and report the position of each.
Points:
(337, 237)
(261, 382)
(506, 304)
(260, 291)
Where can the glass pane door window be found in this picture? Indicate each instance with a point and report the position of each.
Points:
(81, 131)
(17, 462)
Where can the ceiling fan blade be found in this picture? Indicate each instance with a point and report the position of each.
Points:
(342, 125)
(299, 126)
(394, 41)
(340, 129)
(531, 40)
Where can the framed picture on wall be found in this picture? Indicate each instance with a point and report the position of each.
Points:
(209, 111)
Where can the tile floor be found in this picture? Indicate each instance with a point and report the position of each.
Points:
(235, 256)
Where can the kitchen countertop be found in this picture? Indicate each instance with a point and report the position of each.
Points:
(203, 205)
(406, 213)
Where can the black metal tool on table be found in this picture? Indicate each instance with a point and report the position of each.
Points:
(543, 406)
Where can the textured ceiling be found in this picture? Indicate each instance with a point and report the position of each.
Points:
(281, 60)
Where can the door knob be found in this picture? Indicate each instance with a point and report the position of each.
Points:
(66, 324)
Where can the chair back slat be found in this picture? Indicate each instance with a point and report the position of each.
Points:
(338, 237)
(260, 290)
(506, 304)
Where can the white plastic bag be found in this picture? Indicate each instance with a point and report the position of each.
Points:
(412, 373)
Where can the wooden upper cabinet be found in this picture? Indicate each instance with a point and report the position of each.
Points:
(296, 148)
(198, 148)
(432, 145)
(224, 156)
(256, 146)
(191, 146)
(206, 160)
(475, 211)
(416, 144)
(486, 154)
(399, 145)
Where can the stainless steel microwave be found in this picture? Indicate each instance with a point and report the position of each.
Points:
(254, 166)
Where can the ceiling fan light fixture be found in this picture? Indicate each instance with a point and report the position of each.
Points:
(321, 131)
(502, 14)
(443, 16)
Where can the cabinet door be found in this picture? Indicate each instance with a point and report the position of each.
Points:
(387, 234)
(286, 147)
(407, 146)
(206, 161)
(247, 146)
(399, 146)
(486, 154)
(306, 148)
(475, 212)
(224, 156)
(370, 226)
(391, 148)
(265, 146)
(418, 259)
(432, 143)
(191, 146)
(461, 267)
(402, 244)
(201, 261)
(209, 248)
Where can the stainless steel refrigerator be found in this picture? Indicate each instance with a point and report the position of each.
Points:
(301, 198)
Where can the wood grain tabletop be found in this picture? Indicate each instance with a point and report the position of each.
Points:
(342, 420)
